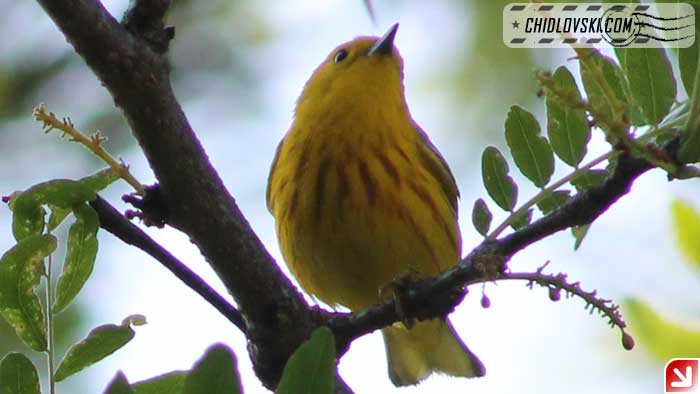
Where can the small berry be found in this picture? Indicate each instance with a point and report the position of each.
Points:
(485, 301)
(627, 341)
(554, 294)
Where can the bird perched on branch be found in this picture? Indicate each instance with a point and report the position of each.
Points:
(362, 197)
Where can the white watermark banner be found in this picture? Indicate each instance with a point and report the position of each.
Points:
(631, 25)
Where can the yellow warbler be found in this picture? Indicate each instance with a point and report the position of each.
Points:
(361, 197)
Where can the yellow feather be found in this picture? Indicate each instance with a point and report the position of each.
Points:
(361, 197)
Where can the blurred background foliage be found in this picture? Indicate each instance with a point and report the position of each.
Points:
(663, 336)
(237, 70)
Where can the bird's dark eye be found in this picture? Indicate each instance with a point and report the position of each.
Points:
(340, 55)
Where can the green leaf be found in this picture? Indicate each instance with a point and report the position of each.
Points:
(686, 226)
(494, 171)
(651, 80)
(521, 220)
(80, 256)
(481, 217)
(689, 151)
(18, 375)
(636, 116)
(579, 233)
(58, 215)
(64, 193)
(531, 152)
(119, 385)
(100, 343)
(662, 338)
(28, 217)
(688, 63)
(60, 195)
(614, 77)
(12, 197)
(567, 128)
(169, 383)
(100, 180)
(21, 269)
(552, 201)
(311, 369)
(215, 373)
(588, 179)
(688, 57)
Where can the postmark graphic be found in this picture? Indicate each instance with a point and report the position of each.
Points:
(560, 25)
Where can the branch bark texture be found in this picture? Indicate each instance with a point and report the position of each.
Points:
(130, 60)
(136, 73)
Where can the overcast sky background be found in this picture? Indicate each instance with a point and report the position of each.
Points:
(238, 71)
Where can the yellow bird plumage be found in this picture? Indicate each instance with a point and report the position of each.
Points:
(361, 197)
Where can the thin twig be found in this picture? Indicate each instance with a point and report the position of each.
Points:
(554, 186)
(557, 283)
(137, 75)
(51, 349)
(437, 296)
(112, 221)
(131, 62)
(93, 143)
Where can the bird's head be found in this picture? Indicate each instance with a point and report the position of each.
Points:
(364, 71)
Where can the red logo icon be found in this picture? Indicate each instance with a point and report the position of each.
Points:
(681, 375)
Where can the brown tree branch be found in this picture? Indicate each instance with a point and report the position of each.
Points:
(437, 296)
(136, 73)
(584, 208)
(115, 223)
(559, 282)
(129, 60)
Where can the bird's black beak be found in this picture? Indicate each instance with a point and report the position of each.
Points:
(384, 45)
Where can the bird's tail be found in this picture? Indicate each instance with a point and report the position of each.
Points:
(430, 346)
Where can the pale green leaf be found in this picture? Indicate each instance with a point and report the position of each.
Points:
(552, 200)
(686, 227)
(27, 218)
(100, 343)
(169, 383)
(64, 193)
(18, 375)
(589, 178)
(311, 369)
(215, 373)
(60, 195)
(651, 80)
(58, 215)
(28, 215)
(80, 256)
(688, 57)
(531, 151)
(612, 75)
(579, 233)
(567, 127)
(663, 338)
(500, 186)
(119, 385)
(21, 269)
(521, 220)
(100, 180)
(481, 217)
(689, 151)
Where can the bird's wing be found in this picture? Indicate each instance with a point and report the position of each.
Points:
(437, 166)
(268, 192)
